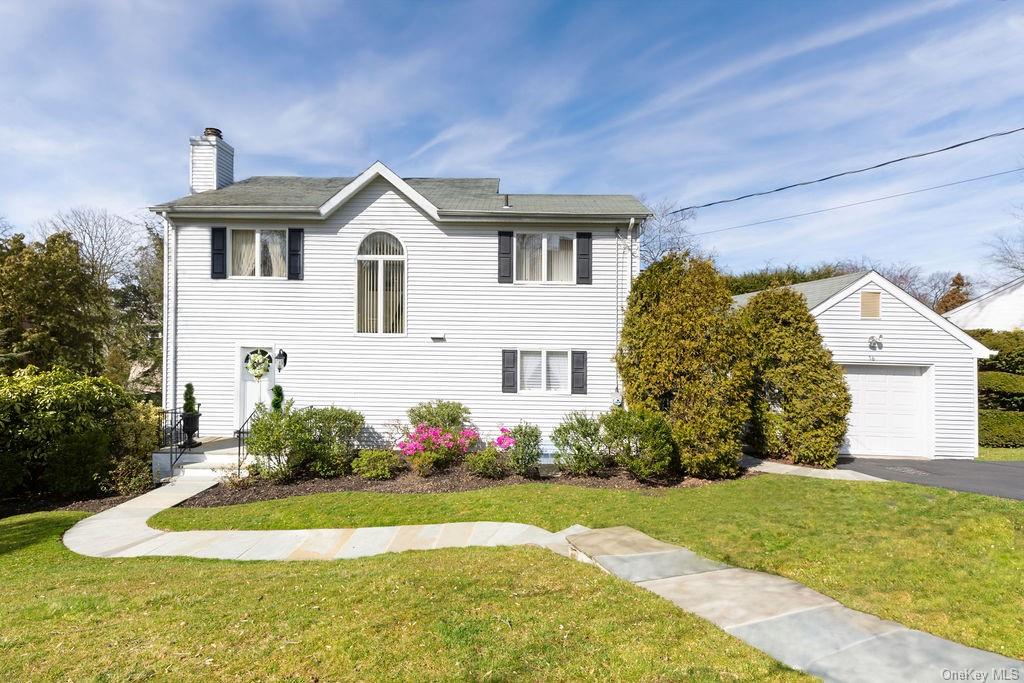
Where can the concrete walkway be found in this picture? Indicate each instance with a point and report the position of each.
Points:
(798, 626)
(774, 467)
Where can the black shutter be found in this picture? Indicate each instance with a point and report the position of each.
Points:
(218, 253)
(584, 260)
(505, 257)
(509, 371)
(579, 372)
(295, 237)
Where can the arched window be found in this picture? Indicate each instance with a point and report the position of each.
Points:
(380, 286)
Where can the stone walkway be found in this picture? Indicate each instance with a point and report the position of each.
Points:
(794, 624)
(774, 467)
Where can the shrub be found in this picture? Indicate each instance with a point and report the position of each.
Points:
(490, 462)
(1001, 390)
(449, 416)
(1000, 429)
(1010, 346)
(188, 404)
(425, 463)
(431, 448)
(325, 439)
(800, 400)
(277, 398)
(578, 446)
(681, 354)
(135, 435)
(376, 464)
(640, 440)
(272, 436)
(524, 455)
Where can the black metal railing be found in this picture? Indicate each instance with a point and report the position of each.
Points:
(173, 435)
(242, 436)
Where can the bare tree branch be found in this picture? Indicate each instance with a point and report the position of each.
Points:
(6, 228)
(1006, 251)
(108, 242)
(666, 233)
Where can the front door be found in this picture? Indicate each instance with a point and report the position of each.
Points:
(251, 391)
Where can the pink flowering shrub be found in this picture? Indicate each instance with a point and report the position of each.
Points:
(430, 448)
(505, 440)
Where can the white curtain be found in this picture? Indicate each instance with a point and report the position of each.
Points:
(394, 297)
(529, 249)
(273, 253)
(560, 258)
(243, 252)
(558, 371)
(366, 294)
(529, 370)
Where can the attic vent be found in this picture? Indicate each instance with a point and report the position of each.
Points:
(871, 304)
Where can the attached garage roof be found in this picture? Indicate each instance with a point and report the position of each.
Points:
(816, 291)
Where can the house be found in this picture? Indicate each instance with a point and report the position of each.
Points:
(912, 374)
(1002, 309)
(377, 292)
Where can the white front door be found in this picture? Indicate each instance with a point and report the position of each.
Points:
(890, 410)
(251, 392)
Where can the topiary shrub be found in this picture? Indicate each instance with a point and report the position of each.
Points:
(1000, 429)
(640, 440)
(578, 446)
(188, 403)
(800, 400)
(489, 462)
(277, 398)
(681, 354)
(1001, 390)
(451, 416)
(376, 464)
(524, 455)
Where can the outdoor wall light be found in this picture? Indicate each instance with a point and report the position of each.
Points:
(282, 359)
(875, 343)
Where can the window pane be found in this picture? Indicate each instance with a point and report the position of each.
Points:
(560, 258)
(558, 371)
(528, 256)
(529, 370)
(243, 252)
(380, 244)
(394, 296)
(366, 293)
(273, 253)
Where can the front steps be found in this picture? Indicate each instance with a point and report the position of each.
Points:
(216, 458)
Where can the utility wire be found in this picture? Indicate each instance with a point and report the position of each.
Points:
(851, 172)
(864, 201)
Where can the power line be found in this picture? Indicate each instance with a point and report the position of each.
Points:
(851, 172)
(863, 201)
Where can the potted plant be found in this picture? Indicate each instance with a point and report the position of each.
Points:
(190, 417)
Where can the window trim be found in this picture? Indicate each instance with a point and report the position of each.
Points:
(544, 370)
(379, 258)
(543, 257)
(877, 294)
(259, 255)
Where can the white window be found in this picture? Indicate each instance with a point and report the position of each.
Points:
(259, 253)
(545, 257)
(380, 285)
(544, 371)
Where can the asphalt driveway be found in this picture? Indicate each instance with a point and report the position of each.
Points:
(1003, 479)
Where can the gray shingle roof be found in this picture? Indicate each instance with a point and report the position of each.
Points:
(815, 291)
(447, 194)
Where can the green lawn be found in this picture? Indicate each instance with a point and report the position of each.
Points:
(1000, 453)
(945, 562)
(473, 614)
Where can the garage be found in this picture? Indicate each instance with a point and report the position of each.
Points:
(890, 410)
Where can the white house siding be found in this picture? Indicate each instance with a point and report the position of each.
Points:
(211, 164)
(452, 288)
(909, 338)
(1002, 309)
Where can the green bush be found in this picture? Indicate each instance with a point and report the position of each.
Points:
(1001, 390)
(272, 439)
(188, 404)
(524, 456)
(800, 401)
(450, 416)
(277, 398)
(327, 439)
(681, 353)
(578, 446)
(1010, 346)
(1000, 429)
(376, 464)
(425, 463)
(640, 440)
(65, 433)
(488, 462)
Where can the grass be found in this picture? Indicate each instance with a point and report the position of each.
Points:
(941, 561)
(482, 613)
(985, 453)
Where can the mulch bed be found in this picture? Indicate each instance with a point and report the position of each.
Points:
(23, 505)
(456, 479)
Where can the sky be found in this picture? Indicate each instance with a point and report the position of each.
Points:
(687, 102)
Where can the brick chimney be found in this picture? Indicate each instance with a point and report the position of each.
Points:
(211, 162)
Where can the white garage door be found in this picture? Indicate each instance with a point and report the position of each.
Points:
(890, 407)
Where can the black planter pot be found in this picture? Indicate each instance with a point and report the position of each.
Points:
(190, 425)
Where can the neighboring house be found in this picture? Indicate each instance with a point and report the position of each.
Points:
(912, 374)
(377, 292)
(1001, 309)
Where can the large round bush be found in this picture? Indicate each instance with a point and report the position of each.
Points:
(640, 440)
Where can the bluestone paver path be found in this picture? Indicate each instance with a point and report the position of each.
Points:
(798, 626)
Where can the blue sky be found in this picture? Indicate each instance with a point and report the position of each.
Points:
(690, 102)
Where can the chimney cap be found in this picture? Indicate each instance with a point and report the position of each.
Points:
(213, 132)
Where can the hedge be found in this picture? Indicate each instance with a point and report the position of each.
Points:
(1000, 429)
(1001, 390)
(1010, 346)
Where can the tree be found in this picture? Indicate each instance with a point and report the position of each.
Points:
(666, 232)
(6, 229)
(1006, 251)
(108, 242)
(680, 354)
(957, 293)
(53, 311)
(800, 400)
